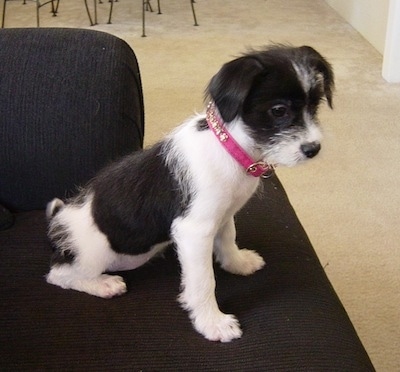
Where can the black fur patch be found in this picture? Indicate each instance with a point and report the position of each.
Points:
(55, 210)
(62, 257)
(136, 200)
(202, 125)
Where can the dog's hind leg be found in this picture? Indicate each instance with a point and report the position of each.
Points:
(86, 274)
(232, 259)
(82, 254)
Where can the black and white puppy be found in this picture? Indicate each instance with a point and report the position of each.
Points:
(187, 188)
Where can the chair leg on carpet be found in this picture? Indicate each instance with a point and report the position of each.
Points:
(144, 4)
(55, 9)
(88, 13)
(194, 13)
(37, 13)
(111, 9)
(4, 14)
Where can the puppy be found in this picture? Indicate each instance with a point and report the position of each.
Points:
(187, 188)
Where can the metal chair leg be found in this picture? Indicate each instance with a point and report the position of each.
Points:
(194, 14)
(37, 13)
(55, 8)
(88, 13)
(4, 14)
(144, 4)
(111, 10)
(148, 6)
(95, 11)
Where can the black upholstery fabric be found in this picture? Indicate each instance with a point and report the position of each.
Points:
(54, 139)
(6, 218)
(63, 86)
(291, 318)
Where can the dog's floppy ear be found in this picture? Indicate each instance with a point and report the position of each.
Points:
(321, 65)
(231, 85)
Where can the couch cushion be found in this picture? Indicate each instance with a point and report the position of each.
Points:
(6, 218)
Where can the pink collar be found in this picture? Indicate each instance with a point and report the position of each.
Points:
(216, 124)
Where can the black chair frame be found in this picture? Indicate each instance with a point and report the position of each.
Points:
(146, 6)
(54, 9)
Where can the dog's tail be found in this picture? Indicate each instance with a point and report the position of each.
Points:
(53, 208)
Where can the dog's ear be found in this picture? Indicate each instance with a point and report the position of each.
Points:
(231, 85)
(323, 66)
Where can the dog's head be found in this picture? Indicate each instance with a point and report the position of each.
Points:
(276, 92)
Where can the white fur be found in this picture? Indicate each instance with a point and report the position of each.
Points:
(308, 78)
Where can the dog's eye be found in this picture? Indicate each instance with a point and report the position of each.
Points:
(279, 111)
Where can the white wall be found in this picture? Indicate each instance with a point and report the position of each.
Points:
(391, 57)
(368, 17)
(379, 22)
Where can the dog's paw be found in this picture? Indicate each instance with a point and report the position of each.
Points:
(221, 327)
(107, 286)
(243, 262)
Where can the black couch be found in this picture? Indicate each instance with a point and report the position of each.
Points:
(70, 102)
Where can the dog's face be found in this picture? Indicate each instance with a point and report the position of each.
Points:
(276, 93)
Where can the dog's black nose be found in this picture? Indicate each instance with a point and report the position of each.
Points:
(310, 149)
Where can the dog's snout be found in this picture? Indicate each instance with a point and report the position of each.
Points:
(311, 149)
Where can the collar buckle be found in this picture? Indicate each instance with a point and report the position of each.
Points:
(260, 169)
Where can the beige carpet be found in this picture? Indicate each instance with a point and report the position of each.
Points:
(348, 198)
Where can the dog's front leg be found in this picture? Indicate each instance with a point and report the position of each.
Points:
(231, 258)
(194, 243)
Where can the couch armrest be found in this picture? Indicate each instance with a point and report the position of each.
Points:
(70, 101)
